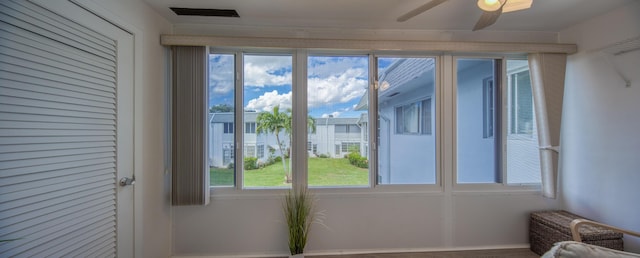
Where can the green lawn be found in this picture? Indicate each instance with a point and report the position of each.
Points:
(322, 172)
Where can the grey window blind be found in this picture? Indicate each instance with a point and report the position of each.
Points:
(190, 166)
(57, 136)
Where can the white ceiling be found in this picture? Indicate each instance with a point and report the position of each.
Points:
(543, 16)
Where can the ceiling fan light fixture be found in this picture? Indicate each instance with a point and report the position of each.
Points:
(490, 5)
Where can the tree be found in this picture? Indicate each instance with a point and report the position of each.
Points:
(276, 122)
(221, 108)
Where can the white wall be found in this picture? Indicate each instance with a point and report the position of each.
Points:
(600, 171)
(359, 223)
(153, 223)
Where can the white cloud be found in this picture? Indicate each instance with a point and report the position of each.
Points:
(268, 100)
(332, 66)
(260, 71)
(221, 74)
(334, 114)
(338, 88)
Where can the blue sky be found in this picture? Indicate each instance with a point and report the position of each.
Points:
(335, 84)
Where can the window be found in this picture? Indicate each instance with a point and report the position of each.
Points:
(476, 155)
(250, 127)
(414, 118)
(488, 95)
(221, 118)
(227, 154)
(250, 151)
(228, 128)
(481, 155)
(267, 109)
(335, 85)
(523, 155)
(520, 103)
(406, 143)
(350, 143)
(348, 147)
(260, 150)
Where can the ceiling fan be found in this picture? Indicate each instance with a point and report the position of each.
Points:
(491, 10)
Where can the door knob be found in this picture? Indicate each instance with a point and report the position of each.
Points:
(127, 181)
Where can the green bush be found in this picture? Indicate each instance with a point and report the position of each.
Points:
(323, 156)
(357, 160)
(230, 166)
(250, 163)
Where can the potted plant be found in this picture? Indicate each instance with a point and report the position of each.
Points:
(299, 212)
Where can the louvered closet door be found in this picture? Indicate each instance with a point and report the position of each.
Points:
(66, 132)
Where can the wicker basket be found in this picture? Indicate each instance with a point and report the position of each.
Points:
(549, 227)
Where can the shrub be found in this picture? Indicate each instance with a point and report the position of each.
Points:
(357, 160)
(250, 163)
(230, 166)
(323, 156)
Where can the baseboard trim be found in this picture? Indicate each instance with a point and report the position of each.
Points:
(365, 251)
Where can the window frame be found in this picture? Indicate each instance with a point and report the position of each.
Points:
(512, 113)
(444, 87)
(488, 107)
(501, 115)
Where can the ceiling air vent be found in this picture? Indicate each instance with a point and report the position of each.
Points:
(205, 12)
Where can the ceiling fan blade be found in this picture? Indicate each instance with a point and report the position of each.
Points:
(421, 9)
(487, 19)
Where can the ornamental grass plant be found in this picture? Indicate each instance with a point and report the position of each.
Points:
(300, 214)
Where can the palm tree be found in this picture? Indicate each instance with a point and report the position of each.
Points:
(275, 122)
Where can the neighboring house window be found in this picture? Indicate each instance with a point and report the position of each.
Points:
(488, 95)
(414, 118)
(309, 146)
(260, 150)
(521, 103)
(350, 146)
(347, 129)
(250, 127)
(227, 154)
(228, 128)
(249, 150)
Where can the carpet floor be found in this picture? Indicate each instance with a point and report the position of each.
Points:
(502, 253)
